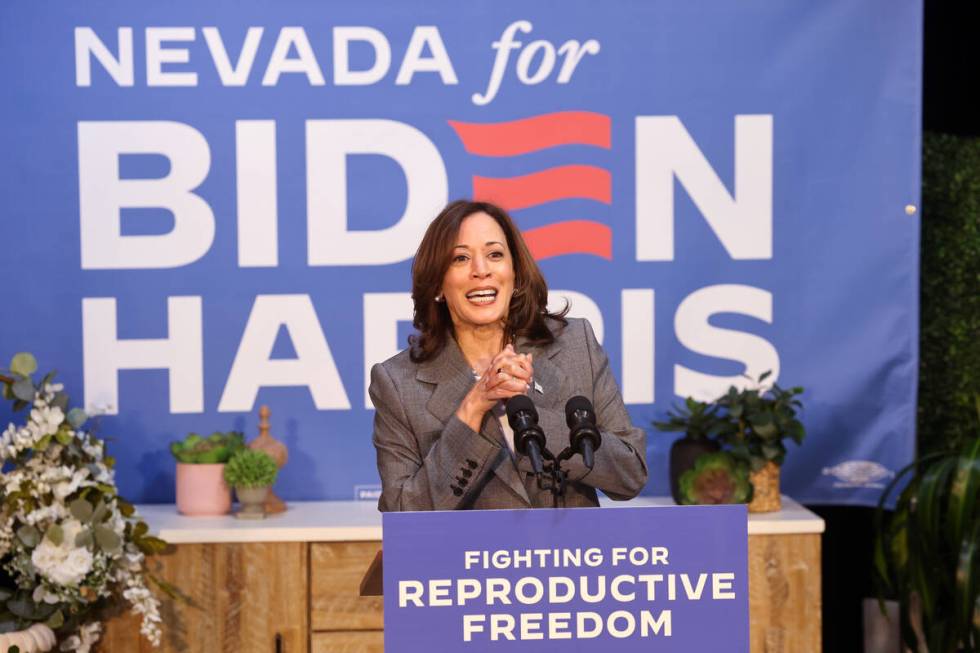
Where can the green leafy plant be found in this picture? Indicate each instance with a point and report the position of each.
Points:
(698, 419)
(927, 552)
(216, 448)
(716, 478)
(251, 468)
(755, 421)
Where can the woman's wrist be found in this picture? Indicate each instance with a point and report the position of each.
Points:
(470, 416)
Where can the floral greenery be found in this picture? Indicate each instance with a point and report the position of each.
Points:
(757, 420)
(949, 364)
(698, 419)
(251, 468)
(716, 478)
(927, 553)
(216, 448)
(71, 548)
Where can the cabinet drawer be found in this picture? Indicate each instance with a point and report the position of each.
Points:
(335, 579)
(362, 641)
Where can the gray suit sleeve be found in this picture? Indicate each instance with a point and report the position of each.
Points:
(620, 462)
(409, 480)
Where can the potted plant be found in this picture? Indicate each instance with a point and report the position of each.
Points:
(755, 422)
(927, 552)
(251, 472)
(201, 489)
(697, 420)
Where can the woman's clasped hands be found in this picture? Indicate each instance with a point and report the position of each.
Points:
(508, 374)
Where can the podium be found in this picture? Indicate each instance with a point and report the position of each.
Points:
(670, 578)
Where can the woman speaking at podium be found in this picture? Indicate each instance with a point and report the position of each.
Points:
(485, 335)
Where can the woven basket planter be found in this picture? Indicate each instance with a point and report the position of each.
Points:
(765, 484)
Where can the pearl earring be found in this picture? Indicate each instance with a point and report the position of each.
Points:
(438, 298)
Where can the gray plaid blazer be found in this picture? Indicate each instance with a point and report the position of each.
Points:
(429, 460)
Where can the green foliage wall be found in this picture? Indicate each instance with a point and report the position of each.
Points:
(949, 370)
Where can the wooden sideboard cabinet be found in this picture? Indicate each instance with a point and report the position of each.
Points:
(289, 584)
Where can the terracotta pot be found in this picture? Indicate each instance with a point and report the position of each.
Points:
(683, 453)
(201, 490)
(253, 502)
(765, 485)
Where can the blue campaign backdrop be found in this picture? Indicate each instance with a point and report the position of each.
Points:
(209, 207)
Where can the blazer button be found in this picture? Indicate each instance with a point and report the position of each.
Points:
(472, 463)
(457, 491)
(466, 472)
(462, 481)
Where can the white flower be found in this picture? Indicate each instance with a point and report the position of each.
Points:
(66, 487)
(64, 564)
(87, 636)
(48, 419)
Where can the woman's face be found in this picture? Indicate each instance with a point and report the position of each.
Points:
(480, 280)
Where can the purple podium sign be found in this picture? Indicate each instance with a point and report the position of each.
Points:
(671, 579)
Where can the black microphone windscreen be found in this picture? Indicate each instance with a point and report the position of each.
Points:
(519, 403)
(577, 403)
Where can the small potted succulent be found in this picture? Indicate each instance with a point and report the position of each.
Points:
(698, 421)
(755, 423)
(251, 472)
(201, 489)
(715, 478)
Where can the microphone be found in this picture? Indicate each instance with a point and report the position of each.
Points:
(529, 439)
(583, 434)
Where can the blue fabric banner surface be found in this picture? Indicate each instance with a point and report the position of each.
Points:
(212, 206)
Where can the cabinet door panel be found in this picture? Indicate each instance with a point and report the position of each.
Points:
(241, 596)
(336, 572)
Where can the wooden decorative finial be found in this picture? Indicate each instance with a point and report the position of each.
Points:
(265, 442)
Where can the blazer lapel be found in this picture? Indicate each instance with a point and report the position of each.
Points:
(453, 378)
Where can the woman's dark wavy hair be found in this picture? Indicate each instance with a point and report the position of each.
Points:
(528, 305)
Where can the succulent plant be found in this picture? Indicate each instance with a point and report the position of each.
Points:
(251, 468)
(716, 478)
(216, 448)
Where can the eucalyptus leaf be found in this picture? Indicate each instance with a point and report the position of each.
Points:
(81, 510)
(8, 624)
(55, 534)
(22, 606)
(60, 400)
(63, 436)
(43, 443)
(100, 513)
(77, 417)
(55, 621)
(84, 538)
(29, 536)
(107, 539)
(23, 363)
(23, 389)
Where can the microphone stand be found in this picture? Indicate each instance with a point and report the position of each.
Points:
(553, 477)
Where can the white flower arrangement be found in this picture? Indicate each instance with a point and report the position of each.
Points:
(70, 546)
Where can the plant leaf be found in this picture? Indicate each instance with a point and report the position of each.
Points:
(964, 490)
(23, 363)
(61, 401)
(29, 536)
(23, 389)
(107, 539)
(55, 621)
(967, 591)
(81, 510)
(76, 417)
(55, 534)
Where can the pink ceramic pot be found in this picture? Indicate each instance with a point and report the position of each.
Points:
(201, 490)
